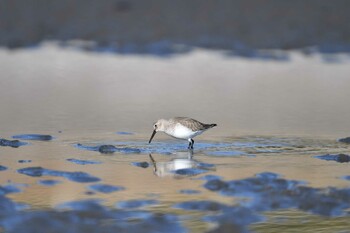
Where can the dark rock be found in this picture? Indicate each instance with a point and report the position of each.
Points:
(25, 161)
(39, 137)
(344, 140)
(49, 182)
(141, 164)
(3, 168)
(31, 171)
(107, 149)
(11, 143)
(340, 158)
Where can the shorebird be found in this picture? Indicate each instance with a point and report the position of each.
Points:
(181, 127)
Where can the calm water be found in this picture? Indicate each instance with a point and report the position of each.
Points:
(256, 171)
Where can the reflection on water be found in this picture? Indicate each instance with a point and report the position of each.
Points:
(181, 166)
(94, 166)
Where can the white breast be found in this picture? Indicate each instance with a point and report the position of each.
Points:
(182, 132)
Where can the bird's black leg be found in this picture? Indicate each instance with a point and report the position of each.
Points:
(190, 144)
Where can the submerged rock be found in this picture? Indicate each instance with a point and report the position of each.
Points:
(344, 140)
(39, 137)
(49, 182)
(105, 188)
(141, 164)
(11, 143)
(267, 192)
(340, 158)
(80, 177)
(109, 149)
(24, 161)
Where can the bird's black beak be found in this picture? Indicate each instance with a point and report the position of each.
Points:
(154, 133)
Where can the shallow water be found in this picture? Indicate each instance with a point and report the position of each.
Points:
(270, 168)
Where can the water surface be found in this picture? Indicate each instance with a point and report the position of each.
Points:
(260, 170)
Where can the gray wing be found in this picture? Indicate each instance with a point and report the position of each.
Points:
(191, 123)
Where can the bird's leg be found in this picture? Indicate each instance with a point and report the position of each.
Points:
(190, 144)
(154, 163)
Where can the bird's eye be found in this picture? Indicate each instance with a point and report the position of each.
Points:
(155, 126)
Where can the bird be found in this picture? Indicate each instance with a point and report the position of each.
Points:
(181, 128)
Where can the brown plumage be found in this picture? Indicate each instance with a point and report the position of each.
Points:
(191, 123)
(181, 128)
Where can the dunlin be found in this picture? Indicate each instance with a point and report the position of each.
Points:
(181, 128)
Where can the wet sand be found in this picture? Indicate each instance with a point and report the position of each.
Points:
(273, 116)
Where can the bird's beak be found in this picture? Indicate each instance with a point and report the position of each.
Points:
(154, 133)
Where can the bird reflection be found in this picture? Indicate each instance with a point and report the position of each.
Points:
(182, 166)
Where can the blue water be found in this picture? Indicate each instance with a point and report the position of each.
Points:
(134, 186)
